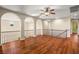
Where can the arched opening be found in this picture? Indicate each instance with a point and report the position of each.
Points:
(46, 28)
(10, 27)
(39, 27)
(29, 27)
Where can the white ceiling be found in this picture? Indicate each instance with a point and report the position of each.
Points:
(34, 10)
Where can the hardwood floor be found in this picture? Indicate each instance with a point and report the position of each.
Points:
(42, 45)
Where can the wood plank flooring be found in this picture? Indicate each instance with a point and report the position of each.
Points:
(42, 45)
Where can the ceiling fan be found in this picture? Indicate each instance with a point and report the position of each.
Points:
(47, 11)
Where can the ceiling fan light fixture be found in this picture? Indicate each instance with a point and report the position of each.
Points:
(46, 13)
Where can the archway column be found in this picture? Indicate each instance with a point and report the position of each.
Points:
(0, 29)
(42, 27)
(35, 26)
(1, 13)
(50, 27)
(0, 36)
(22, 17)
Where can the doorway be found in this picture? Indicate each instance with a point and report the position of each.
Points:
(74, 25)
(10, 27)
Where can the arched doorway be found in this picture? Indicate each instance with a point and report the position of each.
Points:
(39, 27)
(46, 28)
(10, 27)
(29, 27)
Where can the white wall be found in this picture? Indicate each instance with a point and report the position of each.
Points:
(29, 25)
(62, 24)
(39, 27)
(58, 24)
(10, 36)
(46, 27)
(5, 25)
(10, 18)
(6, 20)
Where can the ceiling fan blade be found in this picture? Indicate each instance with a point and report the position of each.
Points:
(52, 13)
(52, 10)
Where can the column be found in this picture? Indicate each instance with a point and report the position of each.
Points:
(22, 25)
(42, 27)
(34, 27)
(0, 29)
(0, 38)
(22, 28)
(50, 27)
(1, 13)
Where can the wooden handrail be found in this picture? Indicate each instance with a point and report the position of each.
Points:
(62, 33)
(52, 29)
(56, 30)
